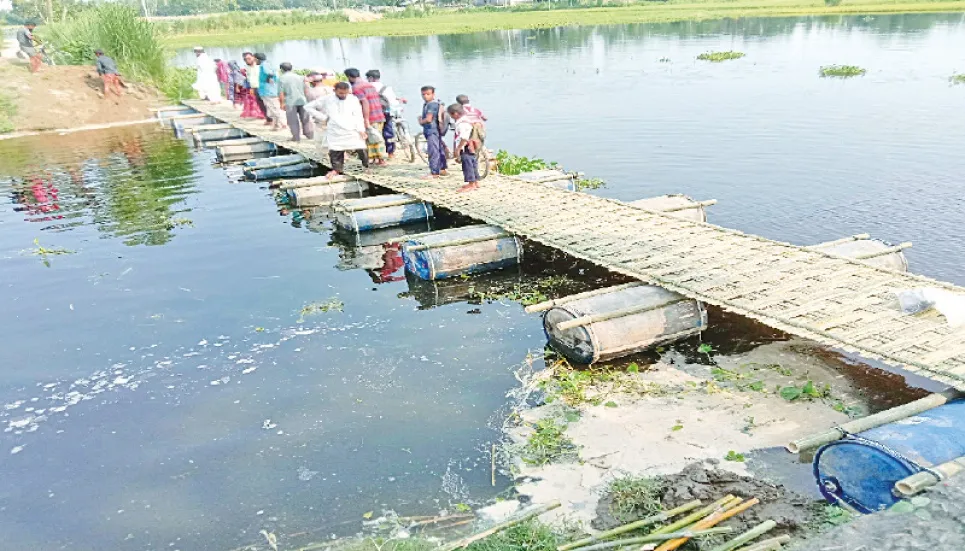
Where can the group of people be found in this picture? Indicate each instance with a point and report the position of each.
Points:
(353, 117)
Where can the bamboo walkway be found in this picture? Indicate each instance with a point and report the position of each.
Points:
(836, 301)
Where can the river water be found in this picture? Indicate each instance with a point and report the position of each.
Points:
(162, 389)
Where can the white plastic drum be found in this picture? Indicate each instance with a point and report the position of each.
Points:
(668, 317)
(690, 209)
(881, 254)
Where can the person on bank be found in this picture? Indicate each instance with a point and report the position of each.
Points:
(345, 130)
(372, 113)
(291, 97)
(466, 146)
(434, 127)
(107, 69)
(28, 45)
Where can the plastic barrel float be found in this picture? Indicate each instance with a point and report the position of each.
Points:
(273, 162)
(861, 470)
(470, 250)
(681, 206)
(873, 252)
(300, 170)
(208, 135)
(551, 177)
(382, 211)
(243, 152)
(181, 123)
(165, 114)
(326, 193)
(608, 323)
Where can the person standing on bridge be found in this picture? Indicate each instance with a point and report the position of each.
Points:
(467, 143)
(372, 113)
(345, 130)
(206, 84)
(391, 106)
(434, 126)
(292, 99)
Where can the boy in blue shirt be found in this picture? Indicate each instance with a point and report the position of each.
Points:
(434, 126)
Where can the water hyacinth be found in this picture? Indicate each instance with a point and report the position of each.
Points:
(842, 71)
(717, 57)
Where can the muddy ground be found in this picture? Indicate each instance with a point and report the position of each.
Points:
(64, 97)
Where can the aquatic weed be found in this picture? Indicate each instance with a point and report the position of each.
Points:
(632, 497)
(717, 57)
(734, 456)
(512, 165)
(331, 305)
(44, 253)
(590, 183)
(548, 443)
(842, 71)
(957, 78)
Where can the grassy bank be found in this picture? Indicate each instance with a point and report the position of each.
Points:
(476, 20)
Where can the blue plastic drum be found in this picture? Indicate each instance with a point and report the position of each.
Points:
(861, 471)
(302, 170)
(458, 251)
(276, 161)
(381, 211)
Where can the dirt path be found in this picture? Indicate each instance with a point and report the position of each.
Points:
(65, 97)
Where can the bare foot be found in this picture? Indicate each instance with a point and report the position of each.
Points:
(443, 172)
(430, 177)
(468, 187)
(331, 174)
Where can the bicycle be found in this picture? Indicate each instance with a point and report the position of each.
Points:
(42, 52)
(404, 144)
(483, 157)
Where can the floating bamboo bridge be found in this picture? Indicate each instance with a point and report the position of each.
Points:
(837, 301)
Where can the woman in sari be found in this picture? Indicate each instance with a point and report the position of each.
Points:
(224, 78)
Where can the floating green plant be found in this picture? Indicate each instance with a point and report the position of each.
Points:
(331, 305)
(548, 443)
(590, 183)
(957, 78)
(717, 57)
(44, 253)
(842, 71)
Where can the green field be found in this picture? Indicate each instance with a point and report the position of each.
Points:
(469, 21)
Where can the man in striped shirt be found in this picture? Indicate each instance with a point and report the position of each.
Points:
(372, 114)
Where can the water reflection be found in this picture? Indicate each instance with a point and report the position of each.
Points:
(128, 187)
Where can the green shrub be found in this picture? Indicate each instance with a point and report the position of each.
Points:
(8, 108)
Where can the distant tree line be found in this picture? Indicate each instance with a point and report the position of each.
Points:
(45, 11)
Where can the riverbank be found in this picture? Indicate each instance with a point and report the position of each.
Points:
(478, 20)
(63, 98)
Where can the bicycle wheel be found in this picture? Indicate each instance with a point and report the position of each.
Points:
(422, 148)
(403, 144)
(483, 162)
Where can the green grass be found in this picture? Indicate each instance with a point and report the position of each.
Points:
(8, 110)
(717, 57)
(634, 497)
(548, 443)
(135, 44)
(244, 21)
(489, 19)
(842, 71)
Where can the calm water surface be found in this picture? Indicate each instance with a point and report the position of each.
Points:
(160, 388)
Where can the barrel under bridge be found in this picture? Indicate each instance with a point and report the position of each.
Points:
(837, 301)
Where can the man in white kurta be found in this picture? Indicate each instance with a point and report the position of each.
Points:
(346, 127)
(206, 84)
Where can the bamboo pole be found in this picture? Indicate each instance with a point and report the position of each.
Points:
(310, 182)
(596, 318)
(771, 544)
(543, 306)
(214, 126)
(896, 249)
(189, 116)
(398, 203)
(733, 508)
(695, 205)
(169, 108)
(714, 507)
(653, 519)
(918, 482)
(849, 239)
(866, 423)
(658, 537)
(747, 536)
(457, 242)
(532, 513)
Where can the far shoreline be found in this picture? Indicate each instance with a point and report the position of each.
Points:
(456, 22)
